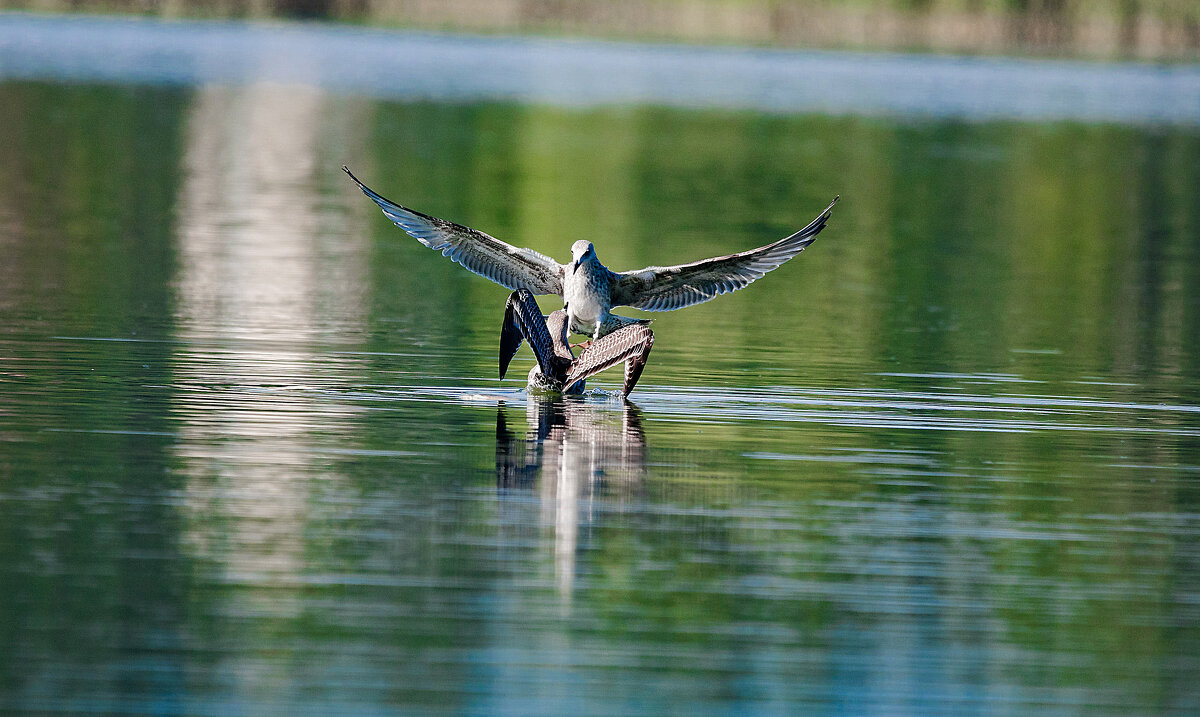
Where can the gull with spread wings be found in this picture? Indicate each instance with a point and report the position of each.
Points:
(589, 290)
(558, 370)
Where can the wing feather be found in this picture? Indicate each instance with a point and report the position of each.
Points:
(664, 288)
(511, 335)
(507, 265)
(523, 320)
(630, 344)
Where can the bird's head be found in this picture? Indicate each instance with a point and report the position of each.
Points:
(581, 251)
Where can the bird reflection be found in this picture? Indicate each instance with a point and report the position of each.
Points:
(574, 451)
(573, 440)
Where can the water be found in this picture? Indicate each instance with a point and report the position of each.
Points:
(254, 459)
(580, 73)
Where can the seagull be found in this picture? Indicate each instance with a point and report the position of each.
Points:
(589, 290)
(558, 370)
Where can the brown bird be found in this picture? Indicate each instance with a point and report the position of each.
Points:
(558, 369)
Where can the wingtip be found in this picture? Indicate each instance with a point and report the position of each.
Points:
(504, 364)
(825, 215)
(510, 337)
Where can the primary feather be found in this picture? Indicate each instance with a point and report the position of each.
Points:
(507, 265)
(664, 288)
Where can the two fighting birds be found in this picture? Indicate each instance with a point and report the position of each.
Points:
(589, 291)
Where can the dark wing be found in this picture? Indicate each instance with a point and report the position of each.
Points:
(663, 288)
(631, 344)
(485, 255)
(511, 337)
(523, 320)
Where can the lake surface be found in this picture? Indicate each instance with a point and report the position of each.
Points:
(254, 458)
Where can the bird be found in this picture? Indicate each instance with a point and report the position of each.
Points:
(558, 370)
(590, 290)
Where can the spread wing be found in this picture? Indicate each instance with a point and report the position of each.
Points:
(485, 255)
(663, 288)
(631, 345)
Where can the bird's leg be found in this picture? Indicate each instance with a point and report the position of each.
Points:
(589, 342)
(595, 334)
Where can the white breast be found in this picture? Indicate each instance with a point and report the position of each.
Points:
(583, 300)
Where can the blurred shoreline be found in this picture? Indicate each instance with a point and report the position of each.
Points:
(1158, 30)
(422, 66)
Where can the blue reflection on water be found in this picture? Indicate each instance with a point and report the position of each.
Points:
(407, 65)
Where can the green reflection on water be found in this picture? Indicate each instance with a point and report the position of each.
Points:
(981, 239)
(277, 490)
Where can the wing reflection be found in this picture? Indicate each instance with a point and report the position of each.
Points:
(578, 452)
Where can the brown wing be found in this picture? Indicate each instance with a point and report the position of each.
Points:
(631, 344)
(663, 288)
(485, 255)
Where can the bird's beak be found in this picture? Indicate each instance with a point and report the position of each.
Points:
(575, 268)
